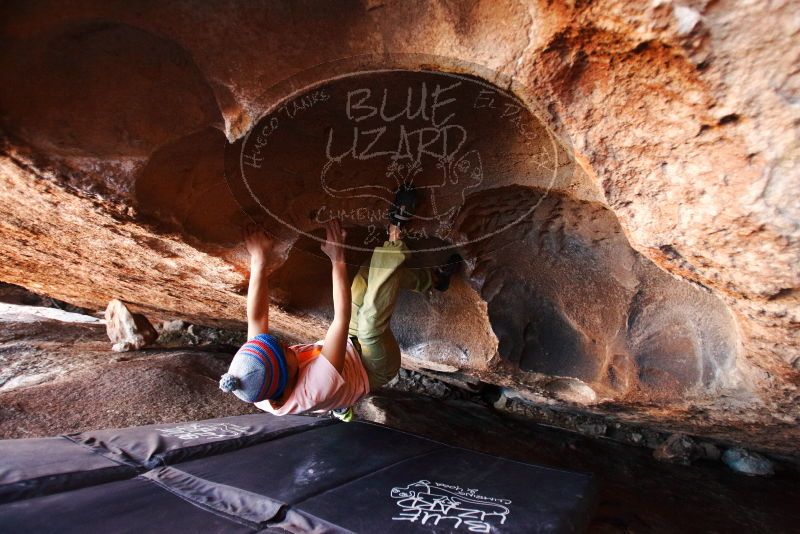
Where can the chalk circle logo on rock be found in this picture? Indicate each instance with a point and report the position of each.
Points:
(341, 148)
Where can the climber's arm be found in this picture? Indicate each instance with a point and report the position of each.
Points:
(335, 343)
(259, 245)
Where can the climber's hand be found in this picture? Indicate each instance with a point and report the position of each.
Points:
(259, 244)
(334, 244)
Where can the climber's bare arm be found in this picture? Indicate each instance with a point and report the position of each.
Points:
(259, 245)
(335, 343)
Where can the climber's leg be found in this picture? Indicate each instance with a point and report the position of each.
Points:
(419, 280)
(380, 352)
(357, 290)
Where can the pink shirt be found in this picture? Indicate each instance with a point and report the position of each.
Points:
(319, 386)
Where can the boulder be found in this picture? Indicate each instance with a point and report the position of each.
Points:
(632, 241)
(127, 330)
(747, 462)
(677, 449)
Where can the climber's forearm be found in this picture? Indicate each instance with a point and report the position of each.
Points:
(257, 299)
(341, 293)
(335, 343)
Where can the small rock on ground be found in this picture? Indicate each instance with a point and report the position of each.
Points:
(748, 463)
(127, 330)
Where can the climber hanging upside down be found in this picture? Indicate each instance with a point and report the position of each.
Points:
(359, 352)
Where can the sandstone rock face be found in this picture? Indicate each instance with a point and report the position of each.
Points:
(656, 141)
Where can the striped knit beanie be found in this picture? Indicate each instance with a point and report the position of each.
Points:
(258, 370)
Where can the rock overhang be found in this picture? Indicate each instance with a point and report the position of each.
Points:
(675, 195)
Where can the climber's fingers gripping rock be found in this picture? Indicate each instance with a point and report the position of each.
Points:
(258, 242)
(334, 241)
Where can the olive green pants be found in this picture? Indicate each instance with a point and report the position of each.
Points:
(374, 294)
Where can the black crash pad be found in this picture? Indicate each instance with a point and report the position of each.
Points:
(40, 466)
(307, 475)
(134, 506)
(155, 445)
(456, 490)
(296, 467)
